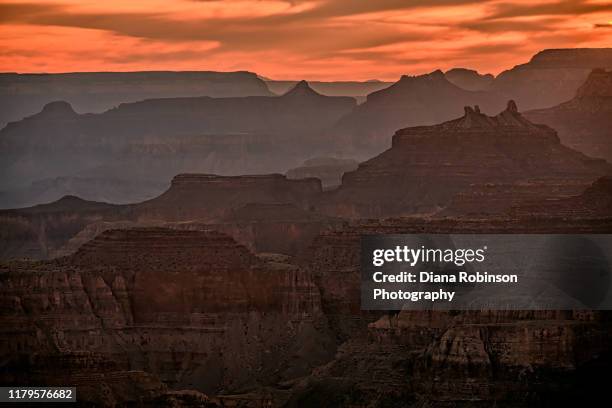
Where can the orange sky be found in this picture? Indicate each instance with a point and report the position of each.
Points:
(293, 39)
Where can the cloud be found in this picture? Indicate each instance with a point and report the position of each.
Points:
(564, 7)
(319, 39)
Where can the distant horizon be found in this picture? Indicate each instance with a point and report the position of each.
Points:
(266, 79)
(318, 40)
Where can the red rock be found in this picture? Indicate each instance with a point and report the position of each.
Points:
(192, 308)
(427, 166)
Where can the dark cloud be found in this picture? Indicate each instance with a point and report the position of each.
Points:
(511, 25)
(232, 33)
(23, 12)
(564, 7)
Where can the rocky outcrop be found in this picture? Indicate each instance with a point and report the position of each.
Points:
(551, 76)
(25, 94)
(585, 122)
(327, 169)
(427, 166)
(190, 308)
(413, 100)
(207, 197)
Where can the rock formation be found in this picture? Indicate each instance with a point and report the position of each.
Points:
(469, 79)
(237, 202)
(327, 169)
(551, 76)
(585, 122)
(354, 89)
(144, 142)
(427, 166)
(25, 94)
(38, 232)
(207, 197)
(274, 228)
(481, 359)
(419, 100)
(429, 358)
(190, 308)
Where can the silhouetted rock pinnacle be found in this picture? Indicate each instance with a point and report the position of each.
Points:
(427, 166)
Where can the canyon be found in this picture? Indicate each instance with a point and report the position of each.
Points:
(497, 164)
(413, 100)
(139, 144)
(119, 137)
(168, 309)
(192, 308)
(243, 288)
(584, 122)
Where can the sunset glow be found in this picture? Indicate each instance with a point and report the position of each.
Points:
(318, 40)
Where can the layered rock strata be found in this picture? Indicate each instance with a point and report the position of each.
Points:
(191, 308)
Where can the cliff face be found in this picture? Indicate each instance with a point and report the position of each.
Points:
(334, 256)
(191, 308)
(275, 228)
(209, 197)
(25, 94)
(585, 122)
(428, 165)
(551, 76)
(436, 359)
(412, 101)
(253, 209)
(478, 358)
